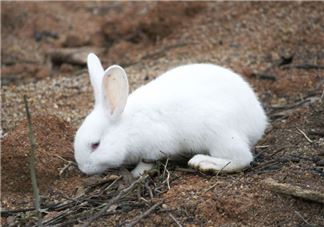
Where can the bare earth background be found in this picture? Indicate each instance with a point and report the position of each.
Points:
(276, 46)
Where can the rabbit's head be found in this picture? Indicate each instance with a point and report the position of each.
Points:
(110, 88)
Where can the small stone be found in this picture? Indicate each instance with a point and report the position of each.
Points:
(295, 159)
(92, 180)
(75, 41)
(112, 208)
(113, 177)
(80, 191)
(11, 220)
(320, 162)
(316, 159)
(42, 72)
(66, 68)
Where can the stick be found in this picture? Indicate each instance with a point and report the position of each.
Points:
(306, 222)
(303, 66)
(73, 56)
(163, 50)
(149, 190)
(165, 167)
(32, 164)
(175, 220)
(159, 52)
(262, 146)
(289, 109)
(304, 134)
(277, 151)
(213, 186)
(168, 173)
(115, 199)
(264, 76)
(291, 106)
(315, 132)
(7, 213)
(63, 159)
(186, 170)
(76, 219)
(295, 191)
(140, 217)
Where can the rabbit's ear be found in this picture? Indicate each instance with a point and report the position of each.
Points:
(115, 90)
(96, 73)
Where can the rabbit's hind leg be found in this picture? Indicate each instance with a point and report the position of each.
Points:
(231, 158)
(206, 163)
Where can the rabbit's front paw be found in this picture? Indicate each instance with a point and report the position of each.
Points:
(141, 168)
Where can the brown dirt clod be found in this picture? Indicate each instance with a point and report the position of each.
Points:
(54, 140)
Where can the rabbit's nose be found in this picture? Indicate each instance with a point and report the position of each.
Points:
(94, 146)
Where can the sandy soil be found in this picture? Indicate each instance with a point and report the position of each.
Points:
(277, 47)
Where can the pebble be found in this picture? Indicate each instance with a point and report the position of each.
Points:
(320, 162)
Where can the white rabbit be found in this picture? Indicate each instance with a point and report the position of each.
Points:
(202, 109)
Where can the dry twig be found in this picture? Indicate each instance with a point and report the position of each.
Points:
(121, 194)
(306, 222)
(295, 191)
(264, 76)
(214, 185)
(74, 56)
(175, 220)
(166, 171)
(316, 132)
(7, 213)
(32, 164)
(304, 134)
(102, 198)
(282, 111)
(145, 214)
(303, 66)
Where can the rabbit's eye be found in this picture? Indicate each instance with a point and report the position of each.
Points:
(94, 146)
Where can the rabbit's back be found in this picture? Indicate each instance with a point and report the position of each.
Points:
(197, 81)
(199, 101)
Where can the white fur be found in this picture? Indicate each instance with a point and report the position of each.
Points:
(203, 109)
(141, 168)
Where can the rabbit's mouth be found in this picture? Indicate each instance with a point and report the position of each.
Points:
(90, 169)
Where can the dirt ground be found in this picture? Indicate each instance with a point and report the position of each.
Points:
(276, 46)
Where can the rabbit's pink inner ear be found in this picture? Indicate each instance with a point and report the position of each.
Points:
(115, 90)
